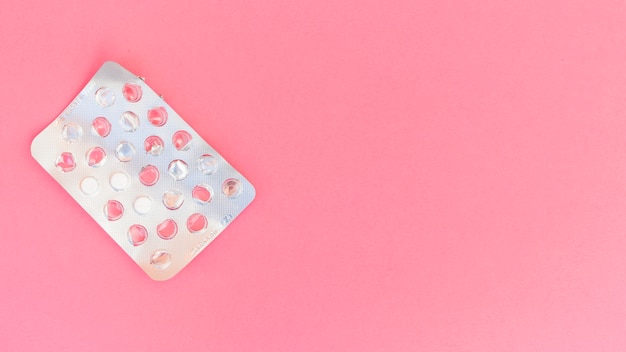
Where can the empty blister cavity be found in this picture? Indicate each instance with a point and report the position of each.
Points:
(202, 194)
(231, 188)
(89, 186)
(125, 151)
(178, 169)
(71, 132)
(101, 126)
(181, 140)
(113, 210)
(105, 97)
(167, 229)
(132, 92)
(157, 116)
(119, 181)
(154, 145)
(149, 175)
(142, 204)
(161, 259)
(207, 164)
(197, 223)
(137, 234)
(173, 199)
(65, 162)
(129, 121)
(95, 157)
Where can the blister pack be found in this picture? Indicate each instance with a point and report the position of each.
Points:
(148, 179)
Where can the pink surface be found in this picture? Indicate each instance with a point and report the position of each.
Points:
(431, 176)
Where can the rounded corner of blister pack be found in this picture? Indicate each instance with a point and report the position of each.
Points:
(145, 176)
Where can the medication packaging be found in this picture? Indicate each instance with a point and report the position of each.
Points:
(148, 179)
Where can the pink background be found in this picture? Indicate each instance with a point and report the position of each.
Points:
(431, 176)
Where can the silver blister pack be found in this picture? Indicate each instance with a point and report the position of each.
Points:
(148, 179)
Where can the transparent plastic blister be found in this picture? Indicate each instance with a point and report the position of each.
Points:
(148, 179)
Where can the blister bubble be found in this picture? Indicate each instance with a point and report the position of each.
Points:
(202, 193)
(95, 157)
(161, 259)
(132, 92)
(65, 162)
(154, 145)
(149, 175)
(137, 234)
(207, 164)
(105, 97)
(167, 229)
(129, 121)
(113, 210)
(178, 169)
(71, 132)
(197, 223)
(231, 188)
(101, 126)
(181, 140)
(173, 199)
(157, 116)
(125, 151)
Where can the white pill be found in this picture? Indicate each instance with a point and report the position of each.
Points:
(89, 185)
(119, 181)
(142, 204)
